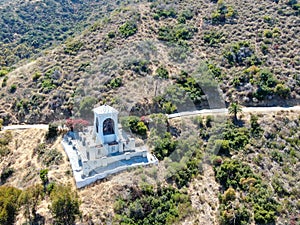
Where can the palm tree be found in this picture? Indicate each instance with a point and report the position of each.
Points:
(234, 109)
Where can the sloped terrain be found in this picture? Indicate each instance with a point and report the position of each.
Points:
(250, 49)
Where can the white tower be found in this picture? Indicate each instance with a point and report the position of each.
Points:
(106, 124)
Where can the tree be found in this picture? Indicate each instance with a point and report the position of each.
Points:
(8, 204)
(76, 124)
(234, 109)
(86, 106)
(30, 199)
(44, 177)
(64, 205)
(52, 131)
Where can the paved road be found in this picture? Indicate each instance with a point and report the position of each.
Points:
(27, 126)
(181, 114)
(225, 111)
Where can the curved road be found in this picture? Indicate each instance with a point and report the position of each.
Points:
(225, 111)
(181, 114)
(26, 126)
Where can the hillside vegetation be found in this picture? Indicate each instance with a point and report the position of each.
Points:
(214, 172)
(249, 48)
(59, 59)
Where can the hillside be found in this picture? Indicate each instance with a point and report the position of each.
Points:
(266, 172)
(249, 49)
(149, 58)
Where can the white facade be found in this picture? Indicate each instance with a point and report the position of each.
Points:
(103, 149)
(109, 146)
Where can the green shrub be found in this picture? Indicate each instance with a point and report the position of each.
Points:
(52, 131)
(166, 205)
(128, 29)
(229, 195)
(162, 72)
(5, 139)
(36, 76)
(111, 34)
(135, 125)
(116, 82)
(268, 33)
(86, 106)
(282, 90)
(48, 156)
(64, 204)
(13, 88)
(164, 146)
(139, 66)
(175, 34)
(212, 38)
(73, 47)
(44, 175)
(185, 15)
(240, 53)
(6, 173)
(223, 13)
(164, 13)
(3, 72)
(8, 204)
(4, 82)
(255, 130)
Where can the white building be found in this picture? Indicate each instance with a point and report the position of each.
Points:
(104, 148)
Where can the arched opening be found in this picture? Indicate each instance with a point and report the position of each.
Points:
(108, 127)
(97, 125)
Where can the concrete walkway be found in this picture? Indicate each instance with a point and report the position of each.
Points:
(225, 111)
(26, 126)
(181, 114)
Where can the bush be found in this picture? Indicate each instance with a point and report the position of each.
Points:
(36, 76)
(135, 125)
(185, 15)
(282, 90)
(3, 72)
(86, 106)
(48, 156)
(116, 82)
(223, 13)
(64, 205)
(165, 205)
(165, 13)
(240, 54)
(175, 34)
(13, 88)
(212, 38)
(29, 200)
(52, 131)
(4, 82)
(8, 204)
(162, 72)
(229, 195)
(73, 47)
(164, 146)
(111, 34)
(128, 29)
(6, 173)
(268, 33)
